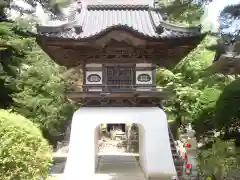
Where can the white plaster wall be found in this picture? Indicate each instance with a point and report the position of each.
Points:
(93, 65)
(95, 89)
(142, 157)
(156, 157)
(96, 133)
(143, 64)
(144, 89)
(93, 72)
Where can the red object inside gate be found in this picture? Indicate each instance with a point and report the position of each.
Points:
(188, 145)
(188, 166)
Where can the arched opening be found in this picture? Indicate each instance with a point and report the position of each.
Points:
(119, 150)
(153, 145)
(118, 138)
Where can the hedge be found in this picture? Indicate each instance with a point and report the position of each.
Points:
(24, 153)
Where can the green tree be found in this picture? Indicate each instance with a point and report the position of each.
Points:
(229, 18)
(227, 111)
(40, 93)
(30, 82)
(12, 53)
(187, 12)
(218, 161)
(194, 90)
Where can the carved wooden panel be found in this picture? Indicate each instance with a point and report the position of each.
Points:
(164, 54)
(118, 77)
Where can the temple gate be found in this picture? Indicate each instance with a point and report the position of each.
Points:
(119, 47)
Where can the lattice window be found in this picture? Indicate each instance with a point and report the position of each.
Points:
(119, 77)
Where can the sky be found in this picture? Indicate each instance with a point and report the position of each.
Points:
(213, 10)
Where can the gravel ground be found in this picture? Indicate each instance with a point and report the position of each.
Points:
(107, 145)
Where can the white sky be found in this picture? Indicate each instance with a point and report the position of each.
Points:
(213, 10)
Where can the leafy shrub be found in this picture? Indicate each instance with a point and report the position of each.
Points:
(227, 106)
(219, 161)
(24, 153)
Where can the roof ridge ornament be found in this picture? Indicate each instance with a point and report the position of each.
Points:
(173, 27)
(78, 29)
(158, 29)
(55, 29)
(79, 6)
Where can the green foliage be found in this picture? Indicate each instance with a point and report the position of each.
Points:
(196, 92)
(185, 80)
(24, 153)
(12, 51)
(218, 81)
(30, 82)
(204, 109)
(218, 161)
(194, 64)
(227, 107)
(185, 12)
(40, 93)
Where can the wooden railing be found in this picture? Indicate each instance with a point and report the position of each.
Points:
(120, 88)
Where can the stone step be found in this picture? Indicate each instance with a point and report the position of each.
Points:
(124, 166)
(174, 150)
(178, 162)
(59, 157)
(175, 156)
(179, 167)
(57, 168)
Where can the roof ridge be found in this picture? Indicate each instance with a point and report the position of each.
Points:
(118, 7)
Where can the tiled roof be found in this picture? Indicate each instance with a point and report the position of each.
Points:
(96, 20)
(102, 2)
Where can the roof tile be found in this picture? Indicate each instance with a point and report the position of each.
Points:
(140, 19)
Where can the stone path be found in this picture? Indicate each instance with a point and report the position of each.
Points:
(114, 163)
(119, 166)
(110, 146)
(113, 166)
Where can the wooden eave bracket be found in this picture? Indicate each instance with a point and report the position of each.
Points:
(193, 29)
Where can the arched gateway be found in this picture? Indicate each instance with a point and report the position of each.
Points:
(155, 150)
(118, 47)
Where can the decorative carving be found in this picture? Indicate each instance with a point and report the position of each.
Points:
(119, 102)
(108, 53)
(94, 78)
(78, 29)
(72, 54)
(143, 78)
(79, 5)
